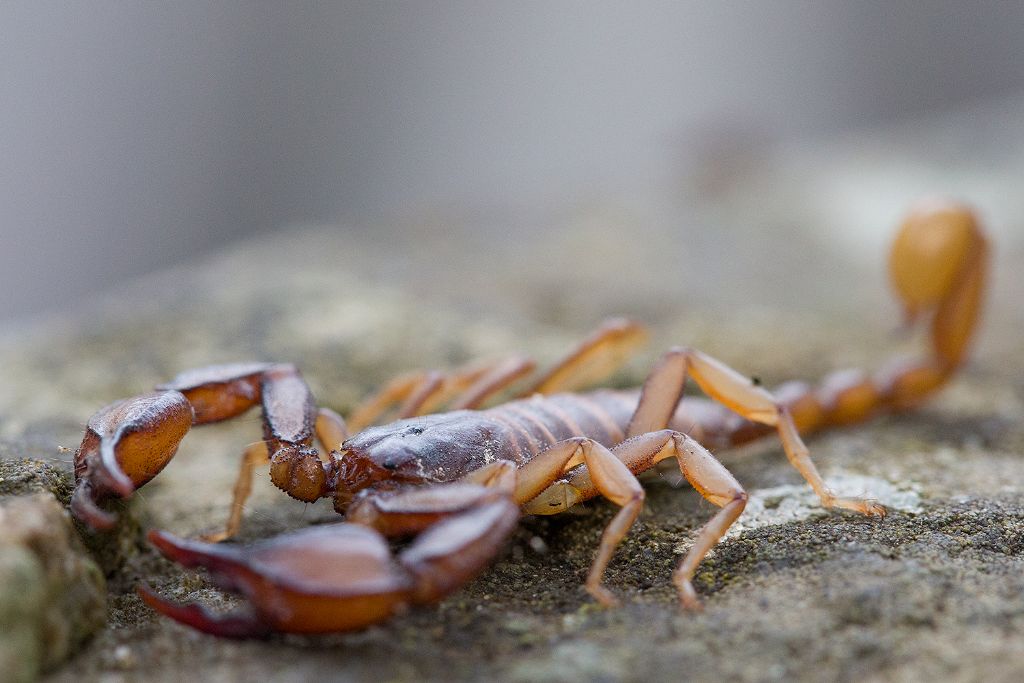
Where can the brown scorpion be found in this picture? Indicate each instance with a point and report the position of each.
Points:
(458, 481)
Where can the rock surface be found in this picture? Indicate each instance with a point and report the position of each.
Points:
(53, 596)
(794, 593)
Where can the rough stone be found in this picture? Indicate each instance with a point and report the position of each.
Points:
(53, 596)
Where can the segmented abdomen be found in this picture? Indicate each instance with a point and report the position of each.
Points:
(535, 423)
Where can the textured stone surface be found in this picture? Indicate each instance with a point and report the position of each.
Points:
(933, 591)
(53, 595)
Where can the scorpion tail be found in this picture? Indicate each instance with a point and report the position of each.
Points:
(939, 265)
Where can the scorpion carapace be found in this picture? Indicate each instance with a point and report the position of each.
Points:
(457, 481)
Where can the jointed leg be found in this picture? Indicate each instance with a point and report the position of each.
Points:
(398, 390)
(648, 442)
(412, 510)
(255, 455)
(664, 387)
(501, 475)
(593, 359)
(497, 378)
(420, 393)
(330, 432)
(457, 383)
(799, 458)
(424, 392)
(431, 385)
(610, 477)
(330, 429)
(711, 479)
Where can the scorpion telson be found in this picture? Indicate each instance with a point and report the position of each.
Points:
(458, 481)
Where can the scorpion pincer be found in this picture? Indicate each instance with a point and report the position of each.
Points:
(456, 482)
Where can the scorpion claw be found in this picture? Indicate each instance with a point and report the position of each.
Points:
(85, 509)
(125, 445)
(334, 577)
(198, 617)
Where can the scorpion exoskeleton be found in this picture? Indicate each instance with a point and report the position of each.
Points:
(458, 481)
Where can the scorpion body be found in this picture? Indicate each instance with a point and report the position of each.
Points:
(445, 447)
(458, 481)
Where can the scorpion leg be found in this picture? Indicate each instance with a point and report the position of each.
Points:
(704, 472)
(493, 381)
(330, 431)
(608, 475)
(409, 511)
(335, 577)
(663, 389)
(420, 393)
(430, 386)
(701, 469)
(128, 442)
(473, 384)
(410, 391)
(593, 359)
(255, 455)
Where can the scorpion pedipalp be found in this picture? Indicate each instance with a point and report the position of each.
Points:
(327, 578)
(126, 444)
(334, 577)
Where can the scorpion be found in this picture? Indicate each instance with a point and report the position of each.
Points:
(457, 482)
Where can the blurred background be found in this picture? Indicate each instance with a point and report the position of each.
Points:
(134, 136)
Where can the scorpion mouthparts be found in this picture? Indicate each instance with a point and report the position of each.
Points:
(234, 625)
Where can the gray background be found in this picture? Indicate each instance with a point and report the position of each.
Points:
(133, 135)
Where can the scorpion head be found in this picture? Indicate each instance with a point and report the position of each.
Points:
(421, 449)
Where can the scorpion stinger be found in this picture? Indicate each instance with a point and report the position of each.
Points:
(939, 266)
